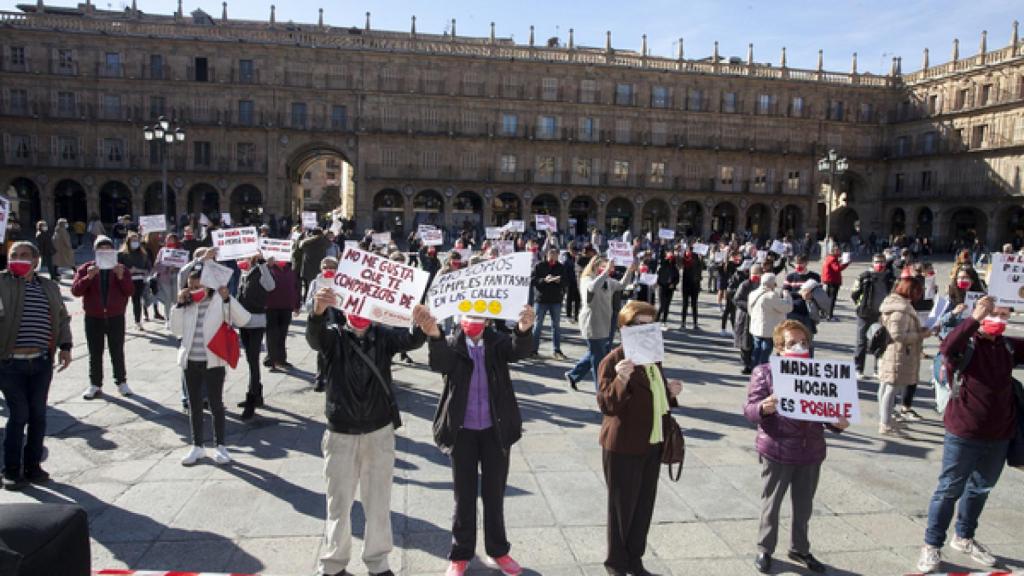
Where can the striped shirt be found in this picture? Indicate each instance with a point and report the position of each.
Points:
(197, 350)
(35, 330)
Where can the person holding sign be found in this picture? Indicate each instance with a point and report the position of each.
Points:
(692, 266)
(832, 277)
(980, 420)
(634, 400)
(169, 261)
(254, 286)
(105, 288)
(791, 452)
(135, 258)
(362, 416)
(599, 290)
(901, 362)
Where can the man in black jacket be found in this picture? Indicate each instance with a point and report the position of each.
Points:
(477, 423)
(255, 283)
(362, 415)
(549, 284)
(871, 288)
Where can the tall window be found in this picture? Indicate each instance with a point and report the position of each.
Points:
(926, 181)
(588, 91)
(65, 61)
(986, 94)
(898, 182)
(760, 179)
(246, 72)
(547, 127)
(729, 102)
(156, 66)
(659, 133)
(298, 114)
(245, 153)
(111, 106)
(588, 129)
(796, 107)
(695, 100)
(582, 168)
(200, 153)
(928, 143)
(624, 94)
(1018, 130)
(620, 171)
(17, 56)
(793, 181)
(765, 104)
(66, 104)
(725, 175)
(657, 173)
(933, 104)
(509, 124)
(22, 147)
(508, 164)
(68, 148)
(19, 101)
(549, 89)
(339, 117)
(902, 146)
(246, 112)
(623, 131)
(962, 97)
(113, 150)
(835, 110)
(979, 138)
(659, 97)
(112, 64)
(156, 106)
(867, 112)
(546, 166)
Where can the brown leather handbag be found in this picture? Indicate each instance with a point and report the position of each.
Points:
(673, 452)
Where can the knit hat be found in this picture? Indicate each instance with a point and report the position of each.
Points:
(809, 286)
(768, 279)
(101, 239)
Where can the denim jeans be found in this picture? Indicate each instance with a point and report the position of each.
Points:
(970, 470)
(596, 351)
(555, 310)
(762, 350)
(25, 385)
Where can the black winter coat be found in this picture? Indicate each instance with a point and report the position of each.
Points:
(450, 358)
(357, 401)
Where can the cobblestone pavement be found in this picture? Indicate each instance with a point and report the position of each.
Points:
(118, 457)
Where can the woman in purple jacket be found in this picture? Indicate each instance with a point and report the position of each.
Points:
(790, 451)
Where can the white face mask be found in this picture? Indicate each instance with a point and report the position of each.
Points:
(134, 245)
(798, 349)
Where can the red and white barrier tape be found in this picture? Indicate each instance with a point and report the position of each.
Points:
(161, 573)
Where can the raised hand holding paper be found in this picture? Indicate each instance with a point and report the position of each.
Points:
(496, 288)
(815, 390)
(377, 288)
(643, 344)
(106, 259)
(215, 275)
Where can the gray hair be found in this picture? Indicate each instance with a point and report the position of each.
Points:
(755, 269)
(23, 244)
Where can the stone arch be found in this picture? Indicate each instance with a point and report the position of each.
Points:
(845, 222)
(25, 202)
(153, 200)
(246, 205)
(655, 215)
(70, 202)
(428, 208)
(759, 220)
(723, 218)
(389, 212)
(504, 207)
(546, 205)
(618, 217)
(467, 211)
(203, 198)
(690, 218)
(966, 224)
(115, 201)
(791, 221)
(924, 223)
(583, 210)
(898, 222)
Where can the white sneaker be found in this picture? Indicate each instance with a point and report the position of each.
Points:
(929, 559)
(220, 455)
(723, 333)
(124, 389)
(193, 456)
(92, 392)
(664, 327)
(977, 551)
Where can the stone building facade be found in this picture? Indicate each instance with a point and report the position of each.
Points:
(457, 131)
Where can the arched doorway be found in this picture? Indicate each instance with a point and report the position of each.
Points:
(899, 223)
(428, 208)
(204, 199)
(655, 216)
(759, 219)
(723, 218)
(246, 205)
(924, 223)
(322, 179)
(115, 201)
(618, 217)
(845, 223)
(505, 206)
(1014, 227)
(153, 200)
(790, 221)
(69, 202)
(966, 225)
(468, 211)
(544, 205)
(389, 213)
(25, 203)
(691, 219)
(582, 211)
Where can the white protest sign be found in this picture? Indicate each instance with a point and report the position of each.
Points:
(377, 288)
(295, 235)
(309, 220)
(648, 279)
(5, 211)
(701, 249)
(970, 299)
(667, 234)
(845, 258)
(815, 390)
(336, 228)
(643, 343)
(1006, 280)
(172, 258)
(939, 308)
(153, 223)
(203, 220)
(493, 232)
(464, 254)
(778, 247)
(381, 239)
(106, 259)
(215, 275)
(424, 227)
(431, 237)
(720, 256)
(496, 288)
(505, 247)
(761, 255)
(279, 250)
(545, 222)
(225, 218)
(236, 243)
(620, 253)
(514, 226)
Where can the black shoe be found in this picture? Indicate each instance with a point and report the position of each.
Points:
(342, 573)
(288, 365)
(746, 371)
(572, 383)
(267, 362)
(250, 407)
(807, 560)
(384, 573)
(320, 386)
(614, 571)
(14, 483)
(641, 571)
(37, 475)
(763, 562)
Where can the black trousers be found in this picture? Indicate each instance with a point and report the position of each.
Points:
(479, 461)
(908, 396)
(833, 294)
(690, 299)
(252, 342)
(198, 377)
(729, 314)
(110, 331)
(664, 299)
(572, 302)
(632, 489)
(862, 342)
(140, 287)
(278, 322)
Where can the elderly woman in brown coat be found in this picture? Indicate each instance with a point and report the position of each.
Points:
(631, 438)
(901, 362)
(64, 255)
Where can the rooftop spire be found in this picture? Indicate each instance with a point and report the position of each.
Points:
(679, 49)
(320, 21)
(273, 14)
(453, 28)
(643, 46)
(956, 49)
(224, 11)
(1013, 39)
(821, 60)
(924, 64)
(367, 27)
(608, 41)
(782, 60)
(572, 42)
(531, 34)
(750, 54)
(853, 64)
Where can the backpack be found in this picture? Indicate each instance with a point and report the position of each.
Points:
(866, 295)
(878, 339)
(947, 388)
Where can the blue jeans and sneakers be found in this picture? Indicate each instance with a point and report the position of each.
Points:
(762, 350)
(25, 384)
(970, 470)
(597, 349)
(555, 311)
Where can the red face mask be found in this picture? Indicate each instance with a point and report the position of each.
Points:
(432, 252)
(329, 274)
(189, 236)
(244, 265)
(643, 269)
(963, 284)
(472, 328)
(534, 249)
(993, 326)
(755, 278)
(801, 268)
(358, 322)
(456, 265)
(172, 245)
(198, 295)
(878, 267)
(19, 268)
(280, 264)
(600, 270)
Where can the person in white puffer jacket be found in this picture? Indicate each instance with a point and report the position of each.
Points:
(768, 308)
(195, 319)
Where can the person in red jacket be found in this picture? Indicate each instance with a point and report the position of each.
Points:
(832, 277)
(104, 294)
(282, 303)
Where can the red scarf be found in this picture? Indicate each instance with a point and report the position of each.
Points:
(687, 259)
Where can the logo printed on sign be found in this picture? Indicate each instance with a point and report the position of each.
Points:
(496, 288)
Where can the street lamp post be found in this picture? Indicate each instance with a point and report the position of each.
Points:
(161, 132)
(832, 165)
